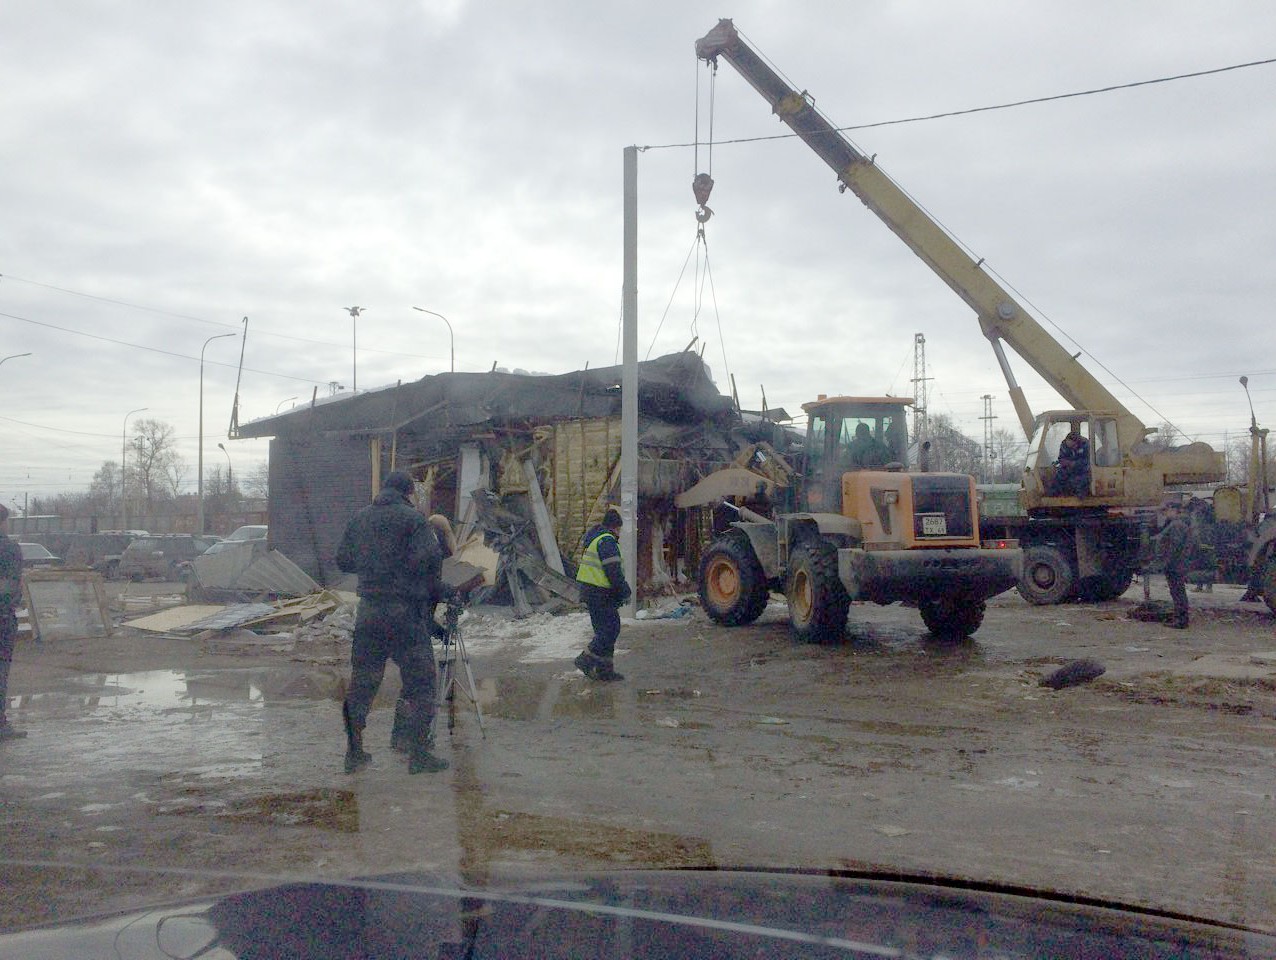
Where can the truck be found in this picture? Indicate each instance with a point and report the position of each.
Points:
(852, 525)
(1078, 544)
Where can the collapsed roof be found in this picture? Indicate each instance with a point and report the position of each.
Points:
(675, 388)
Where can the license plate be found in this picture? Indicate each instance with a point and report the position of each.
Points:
(934, 526)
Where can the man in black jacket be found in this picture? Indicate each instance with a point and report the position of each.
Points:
(396, 555)
(601, 577)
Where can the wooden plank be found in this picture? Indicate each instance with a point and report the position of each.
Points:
(544, 526)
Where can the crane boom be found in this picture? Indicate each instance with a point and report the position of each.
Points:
(1001, 316)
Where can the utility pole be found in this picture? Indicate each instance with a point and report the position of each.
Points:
(921, 426)
(629, 378)
(987, 418)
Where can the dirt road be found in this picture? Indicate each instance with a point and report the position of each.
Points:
(160, 768)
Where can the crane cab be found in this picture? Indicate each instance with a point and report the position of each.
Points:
(1045, 484)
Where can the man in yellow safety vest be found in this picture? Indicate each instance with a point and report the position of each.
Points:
(603, 588)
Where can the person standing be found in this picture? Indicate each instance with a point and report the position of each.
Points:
(396, 555)
(601, 576)
(1174, 550)
(399, 738)
(10, 597)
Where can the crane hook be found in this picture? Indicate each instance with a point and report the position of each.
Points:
(702, 186)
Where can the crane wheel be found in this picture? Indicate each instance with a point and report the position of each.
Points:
(1048, 577)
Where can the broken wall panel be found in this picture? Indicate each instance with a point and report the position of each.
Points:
(586, 464)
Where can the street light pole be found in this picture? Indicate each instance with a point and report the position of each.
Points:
(282, 402)
(14, 356)
(230, 471)
(354, 352)
(451, 337)
(199, 484)
(123, 448)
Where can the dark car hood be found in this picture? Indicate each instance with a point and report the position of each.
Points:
(637, 914)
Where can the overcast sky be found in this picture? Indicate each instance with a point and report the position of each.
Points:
(169, 169)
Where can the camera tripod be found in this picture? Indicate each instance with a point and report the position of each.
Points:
(452, 651)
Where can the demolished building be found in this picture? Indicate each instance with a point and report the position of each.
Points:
(541, 452)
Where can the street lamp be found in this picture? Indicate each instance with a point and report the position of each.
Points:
(14, 356)
(230, 471)
(451, 337)
(123, 448)
(282, 402)
(354, 347)
(199, 486)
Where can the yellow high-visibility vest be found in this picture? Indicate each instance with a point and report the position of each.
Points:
(591, 568)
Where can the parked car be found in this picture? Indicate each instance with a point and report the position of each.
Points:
(36, 555)
(246, 534)
(161, 556)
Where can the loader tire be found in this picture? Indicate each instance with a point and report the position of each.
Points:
(818, 603)
(951, 618)
(1106, 586)
(733, 587)
(1048, 577)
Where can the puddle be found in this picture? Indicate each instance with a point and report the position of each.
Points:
(168, 691)
(583, 700)
(516, 698)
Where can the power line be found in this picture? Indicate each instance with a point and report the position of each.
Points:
(213, 323)
(167, 353)
(987, 109)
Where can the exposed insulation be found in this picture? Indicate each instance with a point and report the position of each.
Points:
(585, 467)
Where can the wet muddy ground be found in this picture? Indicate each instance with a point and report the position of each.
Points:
(159, 768)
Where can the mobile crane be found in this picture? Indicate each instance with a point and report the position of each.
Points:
(1074, 546)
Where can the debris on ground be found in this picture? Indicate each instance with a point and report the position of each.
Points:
(1073, 674)
(246, 570)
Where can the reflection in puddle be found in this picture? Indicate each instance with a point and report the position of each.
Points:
(167, 691)
(516, 698)
(582, 699)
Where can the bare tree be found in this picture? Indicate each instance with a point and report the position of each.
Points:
(1008, 451)
(104, 488)
(257, 482)
(951, 450)
(1167, 436)
(158, 466)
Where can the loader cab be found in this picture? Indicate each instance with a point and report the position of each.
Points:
(1044, 482)
(847, 434)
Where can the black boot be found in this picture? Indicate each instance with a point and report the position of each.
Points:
(587, 664)
(419, 733)
(606, 670)
(356, 757)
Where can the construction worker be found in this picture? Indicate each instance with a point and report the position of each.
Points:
(1174, 546)
(1072, 469)
(601, 576)
(10, 597)
(395, 552)
(866, 450)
